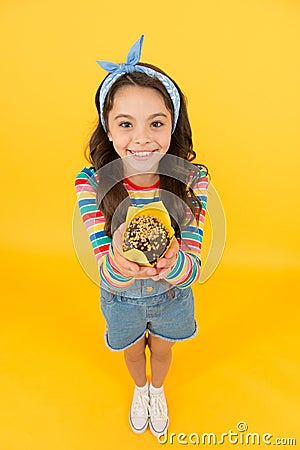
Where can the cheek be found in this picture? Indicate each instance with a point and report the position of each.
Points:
(119, 140)
(166, 136)
(165, 141)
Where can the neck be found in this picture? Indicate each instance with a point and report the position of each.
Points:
(146, 179)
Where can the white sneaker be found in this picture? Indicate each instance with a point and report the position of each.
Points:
(139, 411)
(158, 420)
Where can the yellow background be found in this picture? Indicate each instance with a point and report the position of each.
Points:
(238, 64)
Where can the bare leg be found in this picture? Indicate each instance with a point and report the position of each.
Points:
(160, 360)
(135, 359)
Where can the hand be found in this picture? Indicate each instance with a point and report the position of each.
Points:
(129, 268)
(165, 264)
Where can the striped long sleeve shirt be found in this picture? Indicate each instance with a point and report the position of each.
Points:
(188, 265)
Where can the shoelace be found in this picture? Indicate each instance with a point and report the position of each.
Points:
(158, 407)
(140, 405)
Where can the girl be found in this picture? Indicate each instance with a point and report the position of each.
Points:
(140, 153)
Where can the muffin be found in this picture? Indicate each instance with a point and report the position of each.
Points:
(148, 235)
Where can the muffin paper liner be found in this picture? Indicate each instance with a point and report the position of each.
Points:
(154, 209)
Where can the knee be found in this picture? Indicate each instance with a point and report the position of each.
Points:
(135, 353)
(161, 356)
(159, 350)
(134, 356)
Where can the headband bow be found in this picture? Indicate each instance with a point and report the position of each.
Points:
(131, 65)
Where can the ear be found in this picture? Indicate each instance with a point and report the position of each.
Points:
(109, 136)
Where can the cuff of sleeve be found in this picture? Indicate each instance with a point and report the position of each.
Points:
(185, 272)
(112, 279)
(176, 271)
(115, 266)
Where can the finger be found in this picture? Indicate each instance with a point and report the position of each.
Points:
(161, 263)
(149, 271)
(162, 274)
(167, 261)
(173, 254)
(170, 254)
(131, 267)
(146, 273)
(156, 278)
(173, 250)
(125, 263)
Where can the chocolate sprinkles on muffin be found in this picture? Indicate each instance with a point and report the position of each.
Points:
(147, 234)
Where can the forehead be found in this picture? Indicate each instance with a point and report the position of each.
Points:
(137, 97)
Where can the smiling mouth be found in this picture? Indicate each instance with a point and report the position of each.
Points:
(141, 153)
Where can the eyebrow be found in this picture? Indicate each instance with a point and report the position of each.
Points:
(128, 116)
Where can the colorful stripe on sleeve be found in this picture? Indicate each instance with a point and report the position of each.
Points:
(188, 266)
(93, 219)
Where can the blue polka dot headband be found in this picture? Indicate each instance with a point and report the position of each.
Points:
(131, 65)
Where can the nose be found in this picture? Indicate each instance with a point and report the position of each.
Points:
(141, 136)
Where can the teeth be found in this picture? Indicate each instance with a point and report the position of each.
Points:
(141, 153)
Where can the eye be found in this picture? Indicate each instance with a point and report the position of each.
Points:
(157, 124)
(125, 124)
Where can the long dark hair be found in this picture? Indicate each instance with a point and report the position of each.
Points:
(102, 152)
